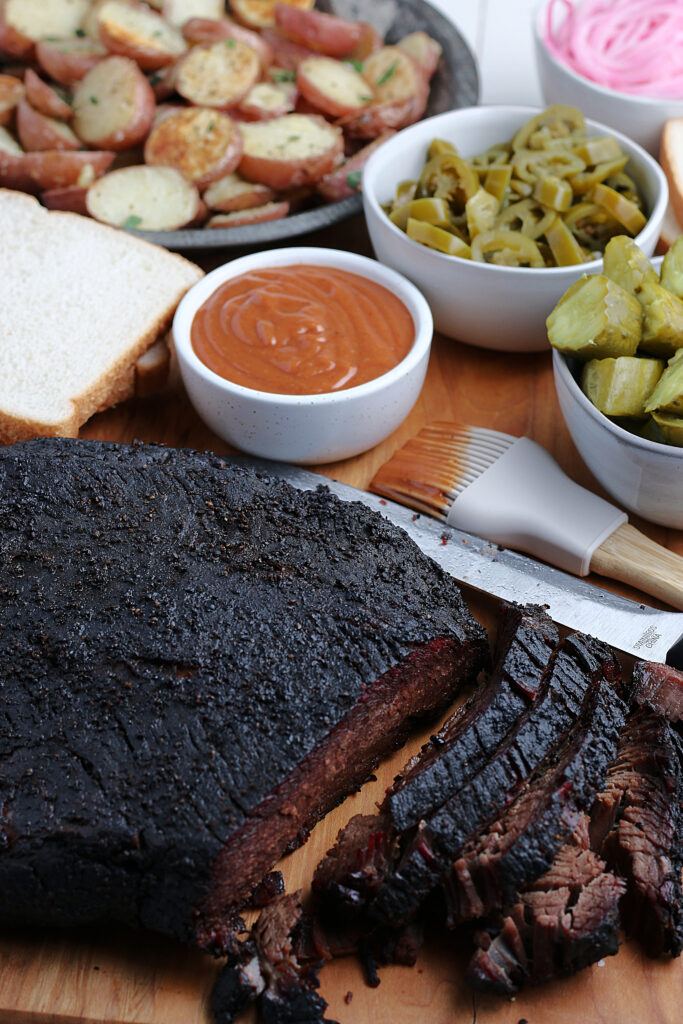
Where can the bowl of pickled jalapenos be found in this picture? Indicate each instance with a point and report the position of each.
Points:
(494, 211)
(618, 363)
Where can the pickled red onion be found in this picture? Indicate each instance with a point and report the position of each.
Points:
(632, 46)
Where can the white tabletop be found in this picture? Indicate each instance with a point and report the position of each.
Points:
(499, 35)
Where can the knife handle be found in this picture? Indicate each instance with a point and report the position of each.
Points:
(628, 555)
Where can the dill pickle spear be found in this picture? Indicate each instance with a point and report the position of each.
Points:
(481, 209)
(671, 276)
(622, 386)
(671, 427)
(554, 192)
(432, 211)
(594, 319)
(626, 263)
(667, 396)
(437, 238)
(662, 320)
(621, 208)
(564, 247)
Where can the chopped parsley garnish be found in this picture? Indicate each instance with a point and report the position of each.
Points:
(230, 43)
(353, 179)
(283, 76)
(80, 32)
(365, 99)
(94, 99)
(387, 74)
(210, 126)
(293, 138)
(131, 222)
(156, 78)
(356, 64)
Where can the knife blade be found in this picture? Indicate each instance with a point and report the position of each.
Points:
(631, 627)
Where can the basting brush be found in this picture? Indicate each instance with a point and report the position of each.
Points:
(510, 491)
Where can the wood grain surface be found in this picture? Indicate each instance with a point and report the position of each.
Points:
(109, 976)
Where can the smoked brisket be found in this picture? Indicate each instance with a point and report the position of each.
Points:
(660, 687)
(197, 664)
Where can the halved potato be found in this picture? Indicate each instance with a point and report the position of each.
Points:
(151, 369)
(8, 144)
(346, 179)
(131, 30)
(37, 132)
(24, 22)
(12, 90)
(332, 87)
(287, 55)
(162, 82)
(207, 30)
(144, 198)
(369, 42)
(323, 33)
(67, 61)
(424, 50)
(219, 74)
(254, 215)
(202, 144)
(178, 12)
(297, 149)
(70, 198)
(261, 13)
(401, 91)
(37, 172)
(45, 98)
(113, 105)
(266, 100)
(233, 192)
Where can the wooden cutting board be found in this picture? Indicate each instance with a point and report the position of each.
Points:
(106, 976)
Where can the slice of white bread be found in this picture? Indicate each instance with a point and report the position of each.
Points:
(80, 302)
(671, 159)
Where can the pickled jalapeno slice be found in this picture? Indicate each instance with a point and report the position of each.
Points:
(626, 212)
(564, 247)
(527, 216)
(506, 249)
(530, 165)
(448, 177)
(554, 192)
(558, 121)
(437, 238)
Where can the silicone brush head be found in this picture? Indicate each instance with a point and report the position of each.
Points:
(438, 464)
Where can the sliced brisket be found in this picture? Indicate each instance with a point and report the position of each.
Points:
(637, 823)
(197, 664)
(578, 668)
(564, 921)
(660, 687)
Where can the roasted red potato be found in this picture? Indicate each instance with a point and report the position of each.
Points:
(287, 55)
(323, 33)
(297, 149)
(179, 12)
(267, 100)
(254, 215)
(67, 61)
(217, 75)
(400, 94)
(346, 179)
(38, 132)
(71, 198)
(234, 192)
(135, 31)
(44, 98)
(204, 30)
(332, 87)
(113, 105)
(261, 13)
(144, 198)
(12, 90)
(38, 172)
(424, 50)
(204, 145)
(370, 40)
(23, 23)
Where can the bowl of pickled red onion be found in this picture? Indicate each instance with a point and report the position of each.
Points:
(619, 61)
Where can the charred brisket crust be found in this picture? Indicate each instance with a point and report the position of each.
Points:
(566, 920)
(522, 844)
(187, 651)
(577, 669)
(642, 802)
(526, 639)
(660, 687)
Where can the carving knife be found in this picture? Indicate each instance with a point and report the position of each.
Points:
(631, 627)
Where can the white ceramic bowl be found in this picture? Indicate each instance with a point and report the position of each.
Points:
(478, 303)
(305, 428)
(644, 476)
(640, 117)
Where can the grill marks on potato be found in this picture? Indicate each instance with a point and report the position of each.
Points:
(202, 144)
(219, 74)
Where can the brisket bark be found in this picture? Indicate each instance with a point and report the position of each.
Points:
(578, 668)
(660, 687)
(637, 823)
(565, 920)
(197, 664)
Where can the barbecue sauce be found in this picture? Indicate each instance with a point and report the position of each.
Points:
(301, 330)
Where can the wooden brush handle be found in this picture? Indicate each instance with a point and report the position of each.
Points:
(628, 555)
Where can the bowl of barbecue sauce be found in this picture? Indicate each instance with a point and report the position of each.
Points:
(303, 354)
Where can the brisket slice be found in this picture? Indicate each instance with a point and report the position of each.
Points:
(526, 639)
(660, 687)
(198, 663)
(367, 848)
(522, 843)
(566, 919)
(637, 823)
(577, 669)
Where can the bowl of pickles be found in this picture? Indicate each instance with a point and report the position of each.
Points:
(494, 211)
(617, 339)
